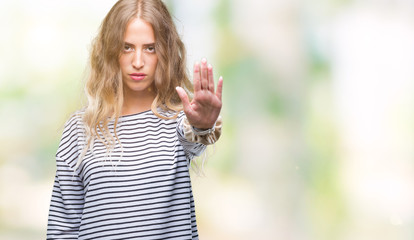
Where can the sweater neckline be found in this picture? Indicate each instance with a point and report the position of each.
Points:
(128, 116)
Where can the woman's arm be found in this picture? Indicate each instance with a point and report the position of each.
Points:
(66, 205)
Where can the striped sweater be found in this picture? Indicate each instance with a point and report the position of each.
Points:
(139, 191)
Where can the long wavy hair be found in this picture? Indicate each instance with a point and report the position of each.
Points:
(104, 88)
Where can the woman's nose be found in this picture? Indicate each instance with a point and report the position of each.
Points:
(138, 61)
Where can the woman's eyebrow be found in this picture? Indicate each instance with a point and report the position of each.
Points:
(145, 44)
(128, 43)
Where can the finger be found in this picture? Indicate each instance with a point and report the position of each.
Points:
(184, 99)
(204, 78)
(219, 91)
(196, 77)
(210, 78)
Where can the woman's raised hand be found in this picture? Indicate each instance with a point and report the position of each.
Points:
(204, 109)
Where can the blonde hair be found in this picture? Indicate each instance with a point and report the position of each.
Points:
(104, 88)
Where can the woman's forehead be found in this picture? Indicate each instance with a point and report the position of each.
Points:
(139, 31)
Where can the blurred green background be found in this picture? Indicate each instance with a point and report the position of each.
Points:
(318, 113)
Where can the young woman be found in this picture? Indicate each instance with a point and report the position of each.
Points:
(123, 161)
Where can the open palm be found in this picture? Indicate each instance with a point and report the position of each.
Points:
(203, 110)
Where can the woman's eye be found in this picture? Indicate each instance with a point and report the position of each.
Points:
(128, 48)
(150, 49)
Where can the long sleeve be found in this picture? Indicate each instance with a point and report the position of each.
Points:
(67, 200)
(209, 138)
(191, 149)
(66, 204)
(194, 144)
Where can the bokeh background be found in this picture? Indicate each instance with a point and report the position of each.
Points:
(318, 111)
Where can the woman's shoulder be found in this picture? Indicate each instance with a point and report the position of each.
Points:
(71, 137)
(75, 117)
(75, 120)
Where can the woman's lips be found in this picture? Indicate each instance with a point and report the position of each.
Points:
(137, 76)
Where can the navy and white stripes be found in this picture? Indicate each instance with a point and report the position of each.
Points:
(140, 191)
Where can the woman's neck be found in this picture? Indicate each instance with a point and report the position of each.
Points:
(137, 102)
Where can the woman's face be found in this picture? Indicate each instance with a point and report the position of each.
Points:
(138, 60)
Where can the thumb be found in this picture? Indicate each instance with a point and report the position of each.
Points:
(184, 99)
